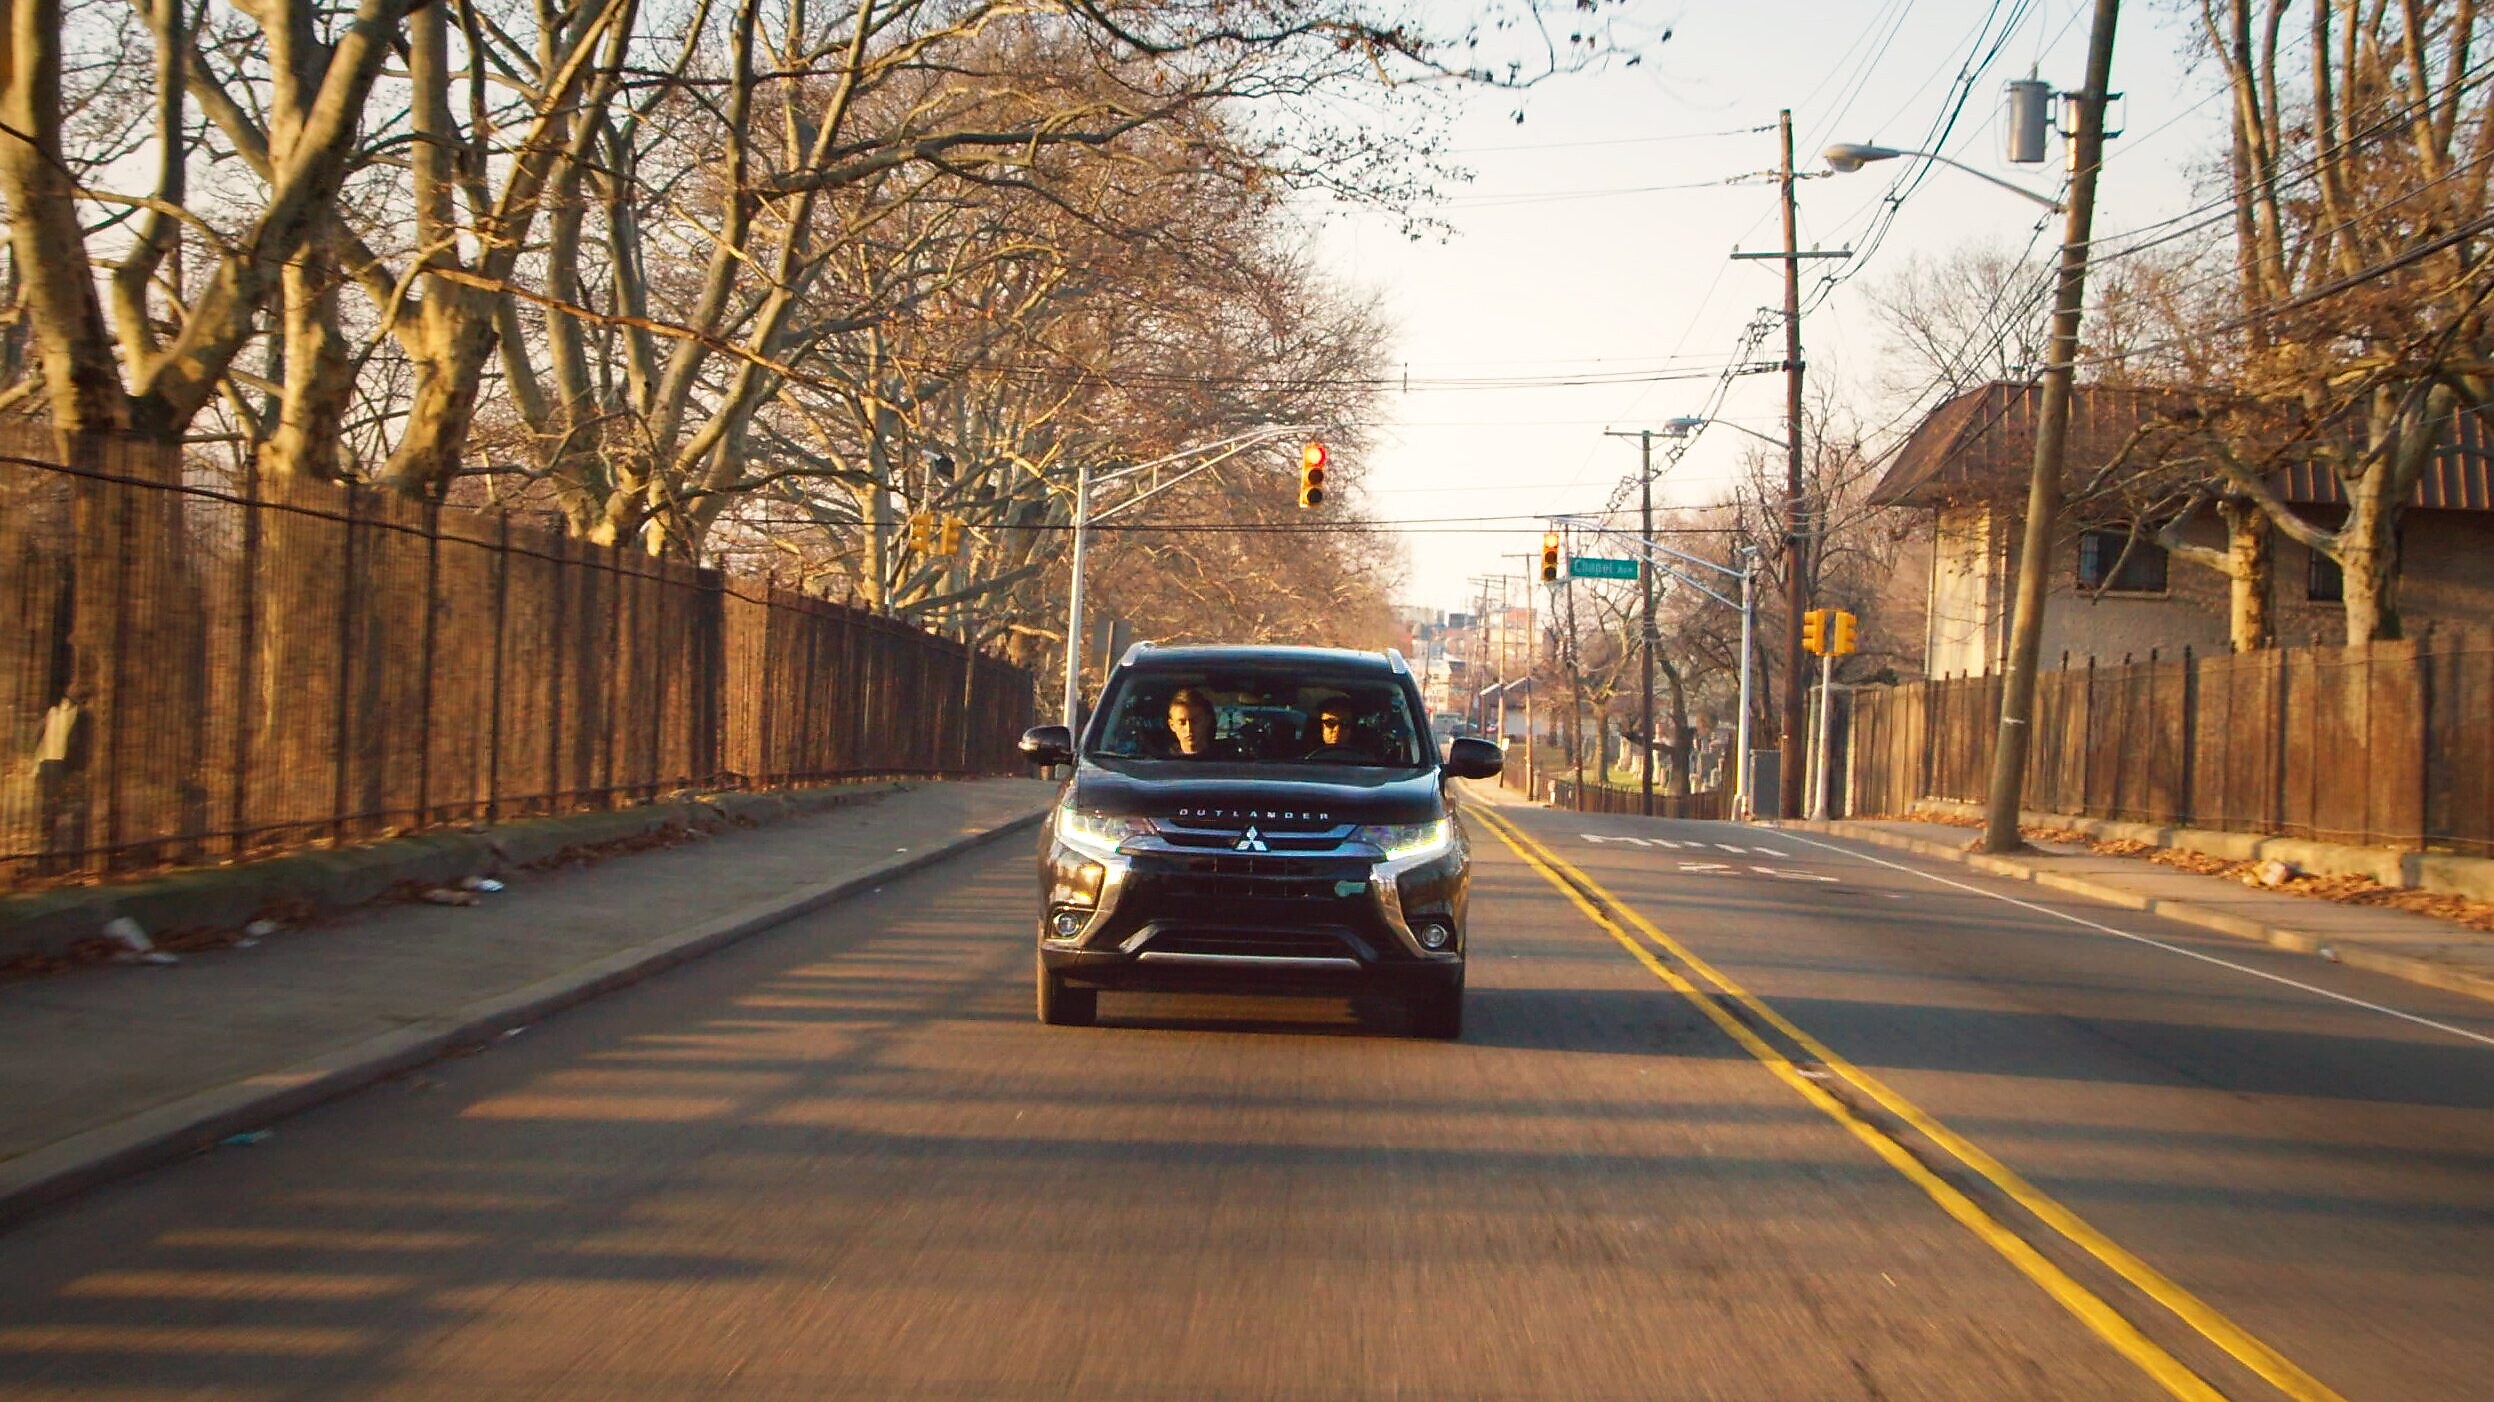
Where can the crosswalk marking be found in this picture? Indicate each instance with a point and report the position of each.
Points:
(1791, 875)
(1600, 838)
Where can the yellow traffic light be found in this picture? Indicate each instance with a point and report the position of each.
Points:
(950, 544)
(1840, 637)
(1312, 460)
(1550, 557)
(921, 531)
(1814, 632)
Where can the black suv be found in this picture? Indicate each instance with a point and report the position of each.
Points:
(1255, 819)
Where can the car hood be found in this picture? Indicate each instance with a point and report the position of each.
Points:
(1159, 788)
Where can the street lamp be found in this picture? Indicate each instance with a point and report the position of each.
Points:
(1845, 157)
(1683, 427)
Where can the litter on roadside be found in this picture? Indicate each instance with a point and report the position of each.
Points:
(444, 895)
(246, 1138)
(485, 884)
(136, 947)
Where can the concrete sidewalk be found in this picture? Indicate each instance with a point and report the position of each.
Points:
(1490, 793)
(2384, 940)
(107, 1069)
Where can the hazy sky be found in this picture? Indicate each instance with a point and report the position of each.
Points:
(1568, 263)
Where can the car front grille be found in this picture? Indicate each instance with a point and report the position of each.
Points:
(1264, 944)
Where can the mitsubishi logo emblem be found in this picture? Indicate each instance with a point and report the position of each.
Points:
(1252, 842)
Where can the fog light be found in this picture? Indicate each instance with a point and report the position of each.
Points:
(1433, 935)
(1068, 924)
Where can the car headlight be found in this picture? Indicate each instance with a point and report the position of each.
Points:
(1400, 841)
(1097, 834)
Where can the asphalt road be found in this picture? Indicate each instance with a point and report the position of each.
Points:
(1888, 1137)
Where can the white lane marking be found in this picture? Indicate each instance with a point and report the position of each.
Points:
(1606, 837)
(2156, 943)
(1769, 852)
(1728, 847)
(1704, 866)
(1792, 875)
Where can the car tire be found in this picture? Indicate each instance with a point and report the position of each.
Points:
(1439, 1016)
(1060, 1006)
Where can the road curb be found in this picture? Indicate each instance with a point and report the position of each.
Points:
(67, 1167)
(325, 881)
(2429, 972)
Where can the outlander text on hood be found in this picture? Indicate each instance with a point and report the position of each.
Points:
(1256, 819)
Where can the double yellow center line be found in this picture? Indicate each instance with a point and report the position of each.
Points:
(1609, 913)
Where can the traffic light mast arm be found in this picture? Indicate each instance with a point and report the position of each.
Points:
(1653, 547)
(1633, 542)
(1224, 450)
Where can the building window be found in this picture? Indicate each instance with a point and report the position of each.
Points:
(2099, 552)
(2324, 582)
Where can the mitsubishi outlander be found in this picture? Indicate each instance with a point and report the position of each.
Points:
(1255, 819)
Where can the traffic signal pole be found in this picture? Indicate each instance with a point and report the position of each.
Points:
(1073, 602)
(1656, 555)
(1652, 635)
(1827, 706)
(1136, 476)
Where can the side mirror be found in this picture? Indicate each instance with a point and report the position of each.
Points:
(1469, 757)
(1048, 744)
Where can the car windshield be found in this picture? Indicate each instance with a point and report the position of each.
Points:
(1256, 718)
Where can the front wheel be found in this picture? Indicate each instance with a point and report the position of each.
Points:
(1439, 1015)
(1060, 1006)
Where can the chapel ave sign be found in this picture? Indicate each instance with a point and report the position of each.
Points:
(1600, 567)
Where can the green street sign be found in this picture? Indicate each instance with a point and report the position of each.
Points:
(1597, 567)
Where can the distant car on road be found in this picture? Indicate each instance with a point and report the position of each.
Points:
(1256, 819)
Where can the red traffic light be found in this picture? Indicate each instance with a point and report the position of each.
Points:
(1313, 457)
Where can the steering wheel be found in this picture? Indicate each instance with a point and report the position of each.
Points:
(1337, 752)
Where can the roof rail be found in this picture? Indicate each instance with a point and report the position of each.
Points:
(1132, 651)
(1394, 660)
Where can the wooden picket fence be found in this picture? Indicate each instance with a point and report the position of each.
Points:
(2389, 744)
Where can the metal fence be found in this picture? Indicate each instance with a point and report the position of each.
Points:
(1607, 798)
(199, 672)
(2389, 744)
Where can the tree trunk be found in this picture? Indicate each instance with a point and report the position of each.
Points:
(2250, 567)
(2368, 561)
(81, 381)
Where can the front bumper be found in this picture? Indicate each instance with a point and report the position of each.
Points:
(1169, 919)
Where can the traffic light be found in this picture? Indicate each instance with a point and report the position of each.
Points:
(1550, 557)
(949, 542)
(1312, 460)
(1814, 632)
(922, 531)
(1840, 637)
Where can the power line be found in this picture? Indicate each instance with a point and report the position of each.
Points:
(1609, 141)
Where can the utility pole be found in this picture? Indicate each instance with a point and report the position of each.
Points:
(1532, 692)
(1481, 650)
(1796, 538)
(1532, 683)
(2052, 429)
(1651, 634)
(1796, 512)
